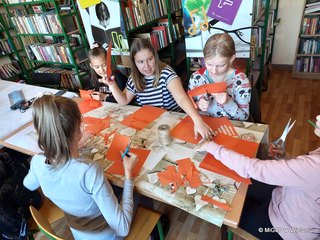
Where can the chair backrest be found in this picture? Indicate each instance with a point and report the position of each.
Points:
(43, 224)
(254, 106)
(51, 80)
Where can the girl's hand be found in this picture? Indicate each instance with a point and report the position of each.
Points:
(203, 104)
(221, 98)
(128, 164)
(203, 129)
(274, 151)
(106, 80)
(202, 146)
(317, 129)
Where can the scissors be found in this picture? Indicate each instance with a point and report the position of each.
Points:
(280, 143)
(126, 151)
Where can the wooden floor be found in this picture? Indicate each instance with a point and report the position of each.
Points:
(285, 98)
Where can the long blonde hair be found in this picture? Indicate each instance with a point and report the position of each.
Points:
(138, 78)
(56, 119)
(220, 44)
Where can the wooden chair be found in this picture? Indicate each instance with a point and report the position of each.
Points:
(241, 233)
(143, 223)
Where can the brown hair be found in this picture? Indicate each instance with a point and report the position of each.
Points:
(56, 119)
(219, 44)
(94, 53)
(138, 78)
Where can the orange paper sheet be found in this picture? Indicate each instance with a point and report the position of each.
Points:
(119, 143)
(241, 146)
(88, 105)
(85, 94)
(187, 175)
(216, 203)
(96, 125)
(184, 130)
(142, 117)
(108, 61)
(208, 88)
(117, 166)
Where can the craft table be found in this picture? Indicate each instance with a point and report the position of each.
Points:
(25, 140)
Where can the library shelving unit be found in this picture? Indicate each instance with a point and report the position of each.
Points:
(52, 37)
(265, 20)
(159, 21)
(11, 65)
(307, 58)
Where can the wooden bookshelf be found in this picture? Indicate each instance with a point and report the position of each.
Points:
(307, 58)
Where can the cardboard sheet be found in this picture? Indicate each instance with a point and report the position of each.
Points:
(119, 143)
(143, 117)
(184, 130)
(85, 94)
(109, 60)
(244, 147)
(208, 88)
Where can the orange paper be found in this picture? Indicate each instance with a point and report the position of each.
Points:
(108, 61)
(85, 94)
(216, 203)
(117, 166)
(208, 88)
(187, 175)
(142, 117)
(88, 105)
(119, 143)
(241, 146)
(184, 130)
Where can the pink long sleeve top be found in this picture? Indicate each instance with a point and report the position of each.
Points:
(294, 209)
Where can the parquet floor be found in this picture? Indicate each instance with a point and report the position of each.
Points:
(285, 98)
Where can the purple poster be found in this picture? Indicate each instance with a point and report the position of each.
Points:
(224, 10)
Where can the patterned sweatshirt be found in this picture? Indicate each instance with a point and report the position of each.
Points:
(295, 204)
(238, 89)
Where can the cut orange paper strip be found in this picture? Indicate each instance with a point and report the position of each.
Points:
(97, 125)
(108, 60)
(117, 166)
(88, 105)
(107, 136)
(241, 146)
(85, 94)
(216, 203)
(119, 143)
(142, 117)
(184, 130)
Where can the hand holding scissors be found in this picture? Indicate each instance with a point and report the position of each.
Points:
(126, 151)
(277, 148)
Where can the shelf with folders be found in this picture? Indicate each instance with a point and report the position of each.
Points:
(52, 37)
(11, 65)
(307, 58)
(158, 21)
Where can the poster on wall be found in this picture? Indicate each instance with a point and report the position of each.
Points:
(203, 18)
(102, 22)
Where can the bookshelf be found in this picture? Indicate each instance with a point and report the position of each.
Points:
(52, 37)
(11, 65)
(307, 58)
(265, 21)
(159, 21)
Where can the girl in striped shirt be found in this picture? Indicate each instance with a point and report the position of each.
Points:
(154, 83)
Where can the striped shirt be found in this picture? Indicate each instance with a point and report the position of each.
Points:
(158, 96)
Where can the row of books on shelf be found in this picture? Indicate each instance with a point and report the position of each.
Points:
(9, 70)
(309, 46)
(44, 23)
(311, 25)
(69, 79)
(137, 13)
(308, 64)
(312, 6)
(5, 18)
(57, 52)
(5, 47)
(258, 8)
